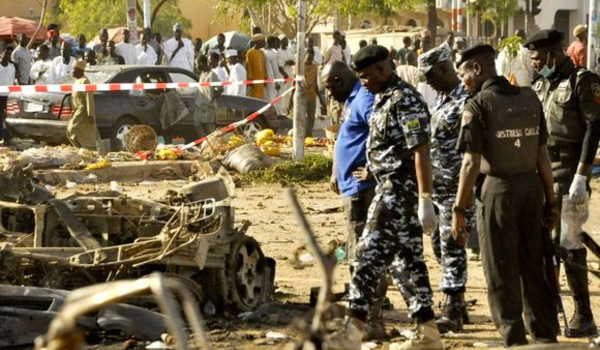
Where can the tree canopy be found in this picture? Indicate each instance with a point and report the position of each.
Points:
(88, 17)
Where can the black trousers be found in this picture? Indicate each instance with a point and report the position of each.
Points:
(509, 221)
(3, 100)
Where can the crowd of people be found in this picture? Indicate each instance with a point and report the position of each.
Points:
(426, 131)
(506, 142)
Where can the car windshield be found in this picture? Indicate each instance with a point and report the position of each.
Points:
(95, 77)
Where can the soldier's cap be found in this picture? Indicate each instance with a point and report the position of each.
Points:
(80, 65)
(432, 57)
(543, 38)
(580, 29)
(231, 53)
(368, 56)
(476, 50)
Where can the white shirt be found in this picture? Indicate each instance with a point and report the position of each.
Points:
(184, 57)
(42, 67)
(283, 56)
(127, 51)
(429, 93)
(7, 76)
(347, 54)
(318, 59)
(334, 53)
(59, 69)
(520, 67)
(221, 73)
(237, 73)
(272, 63)
(147, 56)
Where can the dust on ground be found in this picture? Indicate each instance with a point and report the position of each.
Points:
(275, 227)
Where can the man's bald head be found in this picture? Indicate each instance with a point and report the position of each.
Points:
(339, 80)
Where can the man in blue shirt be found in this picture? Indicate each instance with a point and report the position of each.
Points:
(348, 177)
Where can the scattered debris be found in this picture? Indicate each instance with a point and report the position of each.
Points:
(310, 168)
(276, 335)
(86, 239)
(63, 333)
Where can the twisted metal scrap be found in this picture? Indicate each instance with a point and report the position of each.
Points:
(63, 335)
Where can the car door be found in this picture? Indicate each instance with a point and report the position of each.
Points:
(147, 103)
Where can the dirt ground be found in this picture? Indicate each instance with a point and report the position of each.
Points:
(275, 227)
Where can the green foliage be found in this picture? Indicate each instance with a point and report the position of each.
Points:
(311, 168)
(89, 16)
(512, 45)
(497, 11)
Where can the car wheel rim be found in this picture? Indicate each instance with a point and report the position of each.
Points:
(250, 130)
(123, 130)
(250, 274)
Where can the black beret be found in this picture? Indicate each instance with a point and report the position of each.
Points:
(476, 50)
(544, 38)
(369, 55)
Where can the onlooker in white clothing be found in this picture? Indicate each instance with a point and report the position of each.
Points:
(285, 56)
(62, 65)
(214, 61)
(22, 60)
(272, 65)
(237, 73)
(126, 50)
(179, 52)
(518, 70)
(335, 51)
(145, 54)
(345, 49)
(40, 71)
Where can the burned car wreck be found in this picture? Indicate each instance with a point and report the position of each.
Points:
(92, 238)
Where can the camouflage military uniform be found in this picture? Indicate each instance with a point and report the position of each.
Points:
(393, 235)
(446, 162)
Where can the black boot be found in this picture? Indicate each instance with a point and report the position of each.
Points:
(452, 316)
(582, 322)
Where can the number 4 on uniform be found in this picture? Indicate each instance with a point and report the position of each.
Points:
(518, 143)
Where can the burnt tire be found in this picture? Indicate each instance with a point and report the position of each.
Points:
(249, 130)
(249, 275)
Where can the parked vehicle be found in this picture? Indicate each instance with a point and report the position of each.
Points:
(43, 116)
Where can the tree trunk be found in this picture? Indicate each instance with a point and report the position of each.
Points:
(39, 26)
(432, 20)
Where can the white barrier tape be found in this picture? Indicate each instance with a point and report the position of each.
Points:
(130, 86)
(229, 128)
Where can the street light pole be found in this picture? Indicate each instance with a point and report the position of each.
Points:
(299, 126)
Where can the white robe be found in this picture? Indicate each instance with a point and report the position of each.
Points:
(272, 73)
(147, 57)
(42, 67)
(127, 51)
(221, 73)
(59, 69)
(520, 67)
(237, 73)
(184, 57)
(284, 56)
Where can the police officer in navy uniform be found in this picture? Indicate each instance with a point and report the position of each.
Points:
(437, 68)
(402, 209)
(503, 135)
(571, 99)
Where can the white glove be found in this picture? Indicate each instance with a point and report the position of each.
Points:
(578, 190)
(427, 217)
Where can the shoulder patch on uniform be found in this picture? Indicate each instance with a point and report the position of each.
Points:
(412, 122)
(466, 119)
